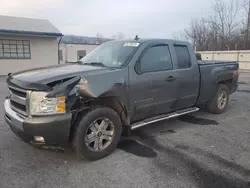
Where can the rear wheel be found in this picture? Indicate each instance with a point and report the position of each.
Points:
(219, 103)
(97, 134)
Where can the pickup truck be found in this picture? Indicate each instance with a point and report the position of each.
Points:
(121, 85)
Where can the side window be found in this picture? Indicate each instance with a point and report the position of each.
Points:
(183, 56)
(156, 58)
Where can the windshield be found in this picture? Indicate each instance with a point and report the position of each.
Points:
(111, 54)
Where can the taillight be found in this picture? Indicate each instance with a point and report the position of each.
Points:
(236, 72)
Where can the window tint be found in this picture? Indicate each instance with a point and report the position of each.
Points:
(183, 57)
(156, 58)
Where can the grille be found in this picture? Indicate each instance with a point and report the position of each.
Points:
(17, 92)
(18, 100)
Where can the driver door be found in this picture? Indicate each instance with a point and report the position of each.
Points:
(154, 92)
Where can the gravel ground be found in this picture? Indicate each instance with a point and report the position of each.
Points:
(198, 150)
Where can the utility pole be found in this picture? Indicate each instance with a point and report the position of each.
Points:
(248, 29)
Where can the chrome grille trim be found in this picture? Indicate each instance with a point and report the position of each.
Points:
(18, 89)
(17, 99)
(18, 110)
(17, 96)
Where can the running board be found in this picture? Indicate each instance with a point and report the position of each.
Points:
(163, 117)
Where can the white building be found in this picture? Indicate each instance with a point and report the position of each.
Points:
(73, 47)
(27, 43)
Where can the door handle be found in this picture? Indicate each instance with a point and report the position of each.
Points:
(170, 79)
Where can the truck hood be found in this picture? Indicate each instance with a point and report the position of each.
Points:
(38, 77)
(48, 74)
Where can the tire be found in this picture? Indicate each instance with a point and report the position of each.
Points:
(215, 105)
(90, 124)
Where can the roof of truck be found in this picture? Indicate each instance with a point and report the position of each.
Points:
(147, 40)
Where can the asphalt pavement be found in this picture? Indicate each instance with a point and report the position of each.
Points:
(196, 150)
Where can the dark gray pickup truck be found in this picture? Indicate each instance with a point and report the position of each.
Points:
(121, 84)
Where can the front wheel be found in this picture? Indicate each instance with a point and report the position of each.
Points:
(219, 103)
(97, 134)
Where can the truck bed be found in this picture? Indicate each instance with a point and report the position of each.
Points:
(212, 72)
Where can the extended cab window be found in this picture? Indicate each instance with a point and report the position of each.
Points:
(183, 56)
(156, 58)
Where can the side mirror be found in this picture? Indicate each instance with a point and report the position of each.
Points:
(137, 67)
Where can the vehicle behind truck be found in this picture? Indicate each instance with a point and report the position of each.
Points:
(120, 85)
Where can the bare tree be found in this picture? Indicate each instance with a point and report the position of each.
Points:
(246, 30)
(179, 36)
(222, 30)
(198, 33)
(118, 36)
(225, 20)
(99, 38)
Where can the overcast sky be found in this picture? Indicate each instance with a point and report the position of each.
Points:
(148, 18)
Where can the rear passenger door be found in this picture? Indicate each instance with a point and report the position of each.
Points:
(188, 76)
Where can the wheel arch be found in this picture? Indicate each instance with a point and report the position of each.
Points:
(228, 83)
(112, 102)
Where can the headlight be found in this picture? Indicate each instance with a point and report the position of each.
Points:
(41, 105)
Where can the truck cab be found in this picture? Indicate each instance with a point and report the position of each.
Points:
(165, 78)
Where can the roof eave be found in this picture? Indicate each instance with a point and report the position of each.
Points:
(33, 33)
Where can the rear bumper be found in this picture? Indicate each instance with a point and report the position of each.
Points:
(55, 129)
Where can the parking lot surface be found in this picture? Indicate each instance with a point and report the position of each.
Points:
(196, 150)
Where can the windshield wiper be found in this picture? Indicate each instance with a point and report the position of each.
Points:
(76, 62)
(100, 64)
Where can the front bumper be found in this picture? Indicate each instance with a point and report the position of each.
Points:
(55, 129)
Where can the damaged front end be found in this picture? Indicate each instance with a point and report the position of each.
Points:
(50, 110)
(75, 90)
(52, 98)
(44, 111)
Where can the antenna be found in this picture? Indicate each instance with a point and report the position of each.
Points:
(136, 37)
